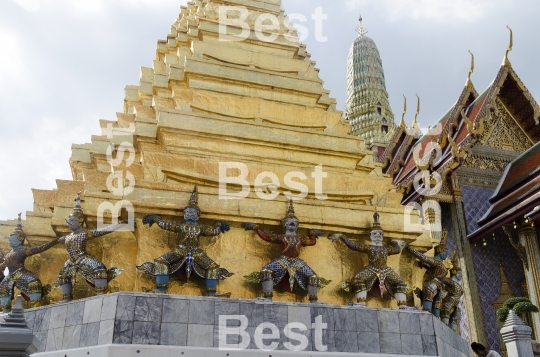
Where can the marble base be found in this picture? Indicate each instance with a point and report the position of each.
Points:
(190, 321)
(168, 351)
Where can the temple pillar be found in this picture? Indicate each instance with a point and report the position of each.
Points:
(529, 240)
(473, 308)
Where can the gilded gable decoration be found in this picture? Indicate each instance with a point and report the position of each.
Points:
(503, 132)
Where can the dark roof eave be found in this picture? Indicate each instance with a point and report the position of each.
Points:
(517, 210)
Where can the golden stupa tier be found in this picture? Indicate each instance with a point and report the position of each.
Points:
(204, 102)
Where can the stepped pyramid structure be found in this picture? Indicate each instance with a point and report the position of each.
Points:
(368, 109)
(261, 107)
(208, 100)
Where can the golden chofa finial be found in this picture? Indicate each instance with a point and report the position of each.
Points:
(471, 71)
(402, 124)
(415, 121)
(506, 61)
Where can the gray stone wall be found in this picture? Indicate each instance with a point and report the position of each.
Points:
(148, 319)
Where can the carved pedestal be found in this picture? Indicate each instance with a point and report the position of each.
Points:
(517, 337)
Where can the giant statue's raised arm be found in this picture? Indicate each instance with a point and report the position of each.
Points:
(377, 269)
(92, 270)
(289, 261)
(188, 254)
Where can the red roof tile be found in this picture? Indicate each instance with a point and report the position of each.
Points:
(520, 180)
(522, 167)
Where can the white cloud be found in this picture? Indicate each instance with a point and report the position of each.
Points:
(91, 7)
(29, 5)
(431, 10)
(37, 159)
(11, 59)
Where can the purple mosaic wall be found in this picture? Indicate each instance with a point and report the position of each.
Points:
(487, 259)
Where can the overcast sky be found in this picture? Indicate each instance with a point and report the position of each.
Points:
(64, 65)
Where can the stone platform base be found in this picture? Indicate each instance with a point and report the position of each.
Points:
(168, 351)
(123, 319)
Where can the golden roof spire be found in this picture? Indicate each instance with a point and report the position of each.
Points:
(471, 71)
(415, 121)
(402, 124)
(506, 61)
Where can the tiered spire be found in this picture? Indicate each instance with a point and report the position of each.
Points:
(368, 109)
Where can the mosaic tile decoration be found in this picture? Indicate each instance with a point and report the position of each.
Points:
(446, 221)
(487, 259)
(476, 203)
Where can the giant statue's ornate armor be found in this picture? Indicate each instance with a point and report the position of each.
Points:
(289, 261)
(19, 276)
(436, 271)
(88, 266)
(454, 292)
(377, 269)
(187, 254)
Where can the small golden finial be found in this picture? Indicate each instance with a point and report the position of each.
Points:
(402, 124)
(506, 61)
(361, 29)
(415, 121)
(471, 71)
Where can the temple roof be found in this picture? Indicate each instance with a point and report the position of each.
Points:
(403, 166)
(457, 135)
(517, 194)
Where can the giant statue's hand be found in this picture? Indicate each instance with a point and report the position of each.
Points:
(316, 232)
(150, 220)
(248, 226)
(335, 237)
(399, 242)
(224, 226)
